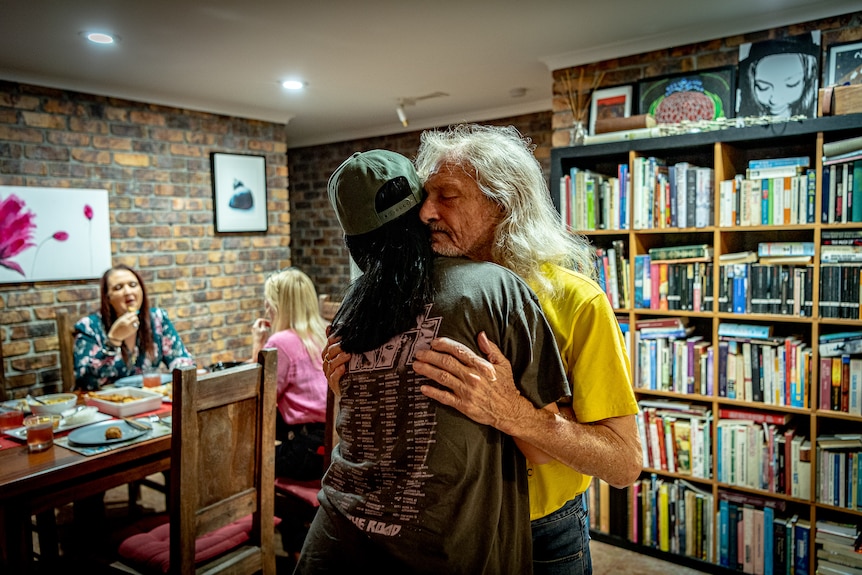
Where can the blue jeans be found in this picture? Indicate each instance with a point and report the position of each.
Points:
(561, 541)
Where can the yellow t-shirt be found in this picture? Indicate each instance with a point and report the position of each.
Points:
(594, 355)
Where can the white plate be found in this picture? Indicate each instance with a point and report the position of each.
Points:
(138, 380)
(21, 432)
(20, 404)
(95, 434)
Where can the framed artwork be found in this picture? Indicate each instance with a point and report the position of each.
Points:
(610, 103)
(52, 234)
(845, 64)
(689, 96)
(779, 78)
(239, 192)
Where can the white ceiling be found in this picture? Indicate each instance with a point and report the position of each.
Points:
(358, 58)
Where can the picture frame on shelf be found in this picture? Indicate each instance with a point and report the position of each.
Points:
(844, 64)
(610, 103)
(779, 78)
(239, 192)
(689, 96)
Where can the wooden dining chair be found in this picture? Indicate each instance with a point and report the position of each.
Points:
(222, 472)
(295, 500)
(66, 340)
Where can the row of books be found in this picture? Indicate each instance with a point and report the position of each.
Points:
(612, 268)
(592, 201)
(771, 370)
(673, 516)
(675, 437)
(840, 380)
(666, 285)
(760, 537)
(839, 470)
(784, 289)
(764, 456)
(839, 547)
(670, 363)
(840, 290)
(768, 201)
(675, 196)
(842, 191)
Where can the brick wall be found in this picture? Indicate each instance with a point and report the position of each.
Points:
(691, 57)
(154, 161)
(317, 246)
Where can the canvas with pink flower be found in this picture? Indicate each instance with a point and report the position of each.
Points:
(20, 238)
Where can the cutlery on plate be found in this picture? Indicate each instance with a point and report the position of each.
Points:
(137, 424)
(35, 399)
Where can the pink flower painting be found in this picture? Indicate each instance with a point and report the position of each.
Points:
(16, 231)
(49, 234)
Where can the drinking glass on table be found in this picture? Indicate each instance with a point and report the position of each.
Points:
(152, 378)
(11, 419)
(40, 432)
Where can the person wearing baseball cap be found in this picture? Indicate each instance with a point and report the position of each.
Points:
(415, 486)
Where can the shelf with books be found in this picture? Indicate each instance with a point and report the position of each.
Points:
(803, 298)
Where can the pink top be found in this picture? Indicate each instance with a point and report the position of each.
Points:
(301, 394)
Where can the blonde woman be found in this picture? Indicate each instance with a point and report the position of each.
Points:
(293, 325)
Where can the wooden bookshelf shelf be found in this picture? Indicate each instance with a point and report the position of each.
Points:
(726, 154)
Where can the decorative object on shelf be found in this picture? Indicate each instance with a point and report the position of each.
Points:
(239, 192)
(621, 123)
(779, 77)
(692, 96)
(845, 64)
(611, 103)
(579, 103)
(576, 134)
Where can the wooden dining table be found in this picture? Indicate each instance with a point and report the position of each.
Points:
(36, 483)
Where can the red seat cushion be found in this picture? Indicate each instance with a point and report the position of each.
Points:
(151, 550)
(304, 490)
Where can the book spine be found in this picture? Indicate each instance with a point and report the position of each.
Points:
(785, 249)
(680, 252)
(842, 146)
(773, 172)
(803, 161)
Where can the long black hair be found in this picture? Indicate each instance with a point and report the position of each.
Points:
(397, 264)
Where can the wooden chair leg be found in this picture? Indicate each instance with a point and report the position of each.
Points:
(49, 540)
(135, 508)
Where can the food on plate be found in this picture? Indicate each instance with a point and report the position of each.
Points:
(116, 397)
(53, 400)
(113, 432)
(165, 390)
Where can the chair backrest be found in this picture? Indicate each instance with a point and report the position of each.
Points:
(66, 339)
(222, 461)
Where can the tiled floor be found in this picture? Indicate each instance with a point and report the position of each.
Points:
(607, 559)
(613, 560)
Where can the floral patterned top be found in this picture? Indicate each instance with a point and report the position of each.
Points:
(96, 364)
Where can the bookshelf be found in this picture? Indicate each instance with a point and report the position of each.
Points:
(789, 446)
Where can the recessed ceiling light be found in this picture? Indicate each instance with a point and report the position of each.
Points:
(100, 38)
(292, 85)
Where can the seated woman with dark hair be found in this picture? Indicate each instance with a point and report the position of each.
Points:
(126, 337)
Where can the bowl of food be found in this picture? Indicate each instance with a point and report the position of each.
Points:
(53, 403)
(124, 401)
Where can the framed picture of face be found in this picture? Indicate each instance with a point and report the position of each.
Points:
(780, 77)
(239, 192)
(610, 103)
(845, 64)
(690, 96)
